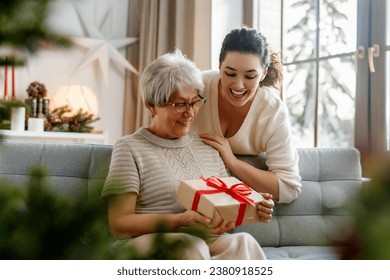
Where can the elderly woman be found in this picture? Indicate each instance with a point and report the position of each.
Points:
(147, 166)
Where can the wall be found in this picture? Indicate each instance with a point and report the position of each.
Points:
(58, 67)
(226, 15)
(202, 33)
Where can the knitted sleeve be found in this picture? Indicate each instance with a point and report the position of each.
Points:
(122, 175)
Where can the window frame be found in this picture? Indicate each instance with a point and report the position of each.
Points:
(371, 137)
(370, 133)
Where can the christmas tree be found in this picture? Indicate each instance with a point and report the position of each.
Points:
(23, 28)
(40, 224)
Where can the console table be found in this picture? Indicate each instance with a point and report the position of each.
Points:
(99, 137)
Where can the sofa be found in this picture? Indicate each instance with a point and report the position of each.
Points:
(303, 229)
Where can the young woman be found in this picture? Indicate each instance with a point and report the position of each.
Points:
(147, 166)
(244, 114)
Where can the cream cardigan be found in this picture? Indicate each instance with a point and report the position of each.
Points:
(266, 129)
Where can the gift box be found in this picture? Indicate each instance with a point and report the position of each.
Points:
(220, 199)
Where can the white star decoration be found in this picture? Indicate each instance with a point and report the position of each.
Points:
(100, 48)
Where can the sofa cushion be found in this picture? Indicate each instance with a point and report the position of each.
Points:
(301, 253)
(75, 169)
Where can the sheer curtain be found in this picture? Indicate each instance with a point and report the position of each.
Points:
(161, 26)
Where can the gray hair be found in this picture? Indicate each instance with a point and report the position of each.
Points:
(167, 74)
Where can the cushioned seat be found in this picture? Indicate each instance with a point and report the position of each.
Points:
(299, 230)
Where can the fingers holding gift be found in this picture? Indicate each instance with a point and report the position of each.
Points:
(267, 196)
(265, 214)
(265, 209)
(190, 218)
(223, 227)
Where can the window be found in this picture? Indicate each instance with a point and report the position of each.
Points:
(372, 78)
(317, 40)
(334, 97)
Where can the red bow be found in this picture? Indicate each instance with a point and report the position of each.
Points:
(238, 191)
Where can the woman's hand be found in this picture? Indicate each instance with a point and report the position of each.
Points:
(222, 145)
(223, 227)
(191, 218)
(266, 208)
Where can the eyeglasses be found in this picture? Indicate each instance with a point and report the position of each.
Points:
(183, 107)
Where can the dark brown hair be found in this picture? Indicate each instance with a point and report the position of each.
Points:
(248, 40)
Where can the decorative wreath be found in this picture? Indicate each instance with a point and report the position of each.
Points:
(36, 89)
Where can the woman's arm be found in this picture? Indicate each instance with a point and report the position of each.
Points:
(124, 222)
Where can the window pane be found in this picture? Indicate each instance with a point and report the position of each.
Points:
(337, 26)
(299, 95)
(321, 112)
(270, 22)
(299, 30)
(336, 106)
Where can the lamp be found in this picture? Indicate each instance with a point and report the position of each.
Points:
(76, 97)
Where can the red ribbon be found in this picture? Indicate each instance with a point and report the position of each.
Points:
(5, 81)
(13, 81)
(238, 191)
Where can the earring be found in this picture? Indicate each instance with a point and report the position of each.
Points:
(152, 110)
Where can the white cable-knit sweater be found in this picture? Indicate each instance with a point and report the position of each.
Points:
(152, 167)
(266, 129)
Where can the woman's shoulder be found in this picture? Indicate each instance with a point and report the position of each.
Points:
(271, 96)
(272, 93)
(210, 72)
(209, 75)
(196, 140)
(210, 80)
(268, 105)
(130, 139)
(203, 150)
(198, 144)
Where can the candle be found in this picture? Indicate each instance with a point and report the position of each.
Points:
(36, 124)
(18, 115)
(5, 82)
(13, 81)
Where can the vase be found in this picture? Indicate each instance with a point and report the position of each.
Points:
(45, 106)
(39, 106)
(32, 102)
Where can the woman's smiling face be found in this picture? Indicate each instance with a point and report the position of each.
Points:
(241, 74)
